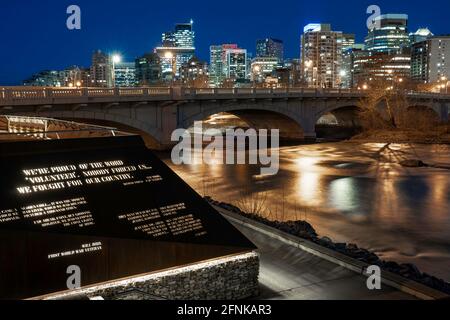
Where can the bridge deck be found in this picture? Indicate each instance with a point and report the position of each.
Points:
(16, 96)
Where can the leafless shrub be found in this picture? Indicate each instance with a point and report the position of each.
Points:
(253, 203)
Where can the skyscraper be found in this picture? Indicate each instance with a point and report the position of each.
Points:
(148, 69)
(270, 48)
(177, 48)
(321, 56)
(227, 62)
(389, 34)
(380, 66)
(236, 64)
(125, 74)
(101, 70)
(387, 54)
(216, 63)
(420, 35)
(347, 66)
(430, 60)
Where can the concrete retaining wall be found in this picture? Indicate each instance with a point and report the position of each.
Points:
(408, 286)
(229, 278)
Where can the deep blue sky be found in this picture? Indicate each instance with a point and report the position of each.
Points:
(34, 34)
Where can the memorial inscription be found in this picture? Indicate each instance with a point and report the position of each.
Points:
(108, 205)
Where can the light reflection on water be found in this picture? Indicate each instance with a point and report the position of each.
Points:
(343, 195)
(353, 193)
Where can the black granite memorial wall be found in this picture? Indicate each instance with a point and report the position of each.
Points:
(107, 205)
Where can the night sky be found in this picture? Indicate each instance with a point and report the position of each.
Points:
(34, 36)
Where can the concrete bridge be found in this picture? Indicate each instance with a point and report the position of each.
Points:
(156, 112)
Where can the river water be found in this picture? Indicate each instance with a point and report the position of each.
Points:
(350, 192)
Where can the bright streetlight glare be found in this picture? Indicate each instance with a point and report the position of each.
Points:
(116, 58)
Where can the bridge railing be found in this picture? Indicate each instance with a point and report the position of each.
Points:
(49, 95)
(64, 93)
(256, 91)
(35, 93)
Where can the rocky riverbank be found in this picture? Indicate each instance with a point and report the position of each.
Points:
(439, 136)
(304, 230)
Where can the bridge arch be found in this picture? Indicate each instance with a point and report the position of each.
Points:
(290, 124)
(151, 135)
(345, 114)
(424, 108)
(340, 121)
(422, 116)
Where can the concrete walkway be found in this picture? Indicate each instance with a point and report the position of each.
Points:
(291, 273)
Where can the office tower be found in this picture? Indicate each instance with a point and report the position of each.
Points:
(420, 35)
(183, 36)
(387, 54)
(321, 56)
(269, 47)
(227, 62)
(380, 67)
(216, 74)
(347, 40)
(389, 34)
(194, 73)
(101, 70)
(261, 67)
(125, 74)
(430, 60)
(236, 64)
(148, 69)
(347, 66)
(177, 48)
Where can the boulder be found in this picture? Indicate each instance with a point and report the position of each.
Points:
(413, 163)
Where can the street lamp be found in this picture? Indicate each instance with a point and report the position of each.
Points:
(116, 58)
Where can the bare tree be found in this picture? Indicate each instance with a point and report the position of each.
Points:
(386, 106)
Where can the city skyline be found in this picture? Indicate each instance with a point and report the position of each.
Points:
(132, 38)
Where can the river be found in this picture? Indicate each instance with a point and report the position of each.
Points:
(350, 192)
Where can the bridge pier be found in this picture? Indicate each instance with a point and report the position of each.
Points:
(310, 136)
(445, 112)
